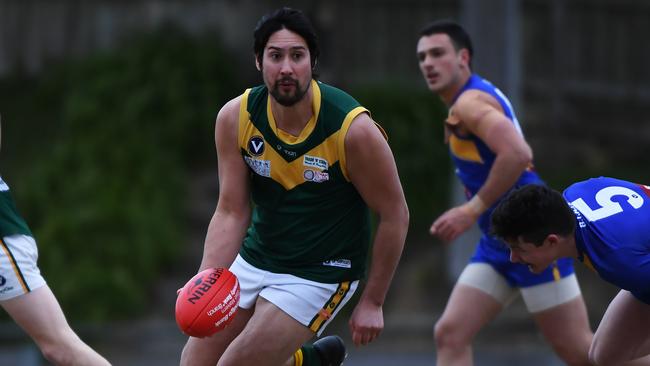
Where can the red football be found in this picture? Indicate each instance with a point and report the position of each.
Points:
(208, 302)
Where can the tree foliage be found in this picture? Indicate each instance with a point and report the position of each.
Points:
(105, 191)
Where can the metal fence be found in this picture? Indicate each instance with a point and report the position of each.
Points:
(587, 84)
(576, 69)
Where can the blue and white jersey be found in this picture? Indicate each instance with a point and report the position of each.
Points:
(613, 231)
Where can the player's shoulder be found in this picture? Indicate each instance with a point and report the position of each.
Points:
(233, 104)
(333, 97)
(603, 186)
(474, 98)
(229, 112)
(364, 131)
(599, 182)
(362, 123)
(471, 106)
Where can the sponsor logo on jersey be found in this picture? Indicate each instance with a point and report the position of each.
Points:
(315, 162)
(285, 151)
(315, 176)
(341, 263)
(261, 167)
(256, 146)
(2, 281)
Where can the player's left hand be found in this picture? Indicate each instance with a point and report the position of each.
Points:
(366, 323)
(453, 223)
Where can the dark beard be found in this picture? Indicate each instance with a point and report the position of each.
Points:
(288, 100)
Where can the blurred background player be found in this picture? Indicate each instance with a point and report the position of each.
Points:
(605, 225)
(314, 162)
(491, 157)
(28, 299)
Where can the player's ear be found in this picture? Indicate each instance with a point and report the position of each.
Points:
(551, 240)
(464, 55)
(258, 63)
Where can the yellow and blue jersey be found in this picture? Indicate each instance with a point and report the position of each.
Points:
(613, 231)
(473, 160)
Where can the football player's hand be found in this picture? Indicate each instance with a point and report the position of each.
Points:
(366, 323)
(452, 223)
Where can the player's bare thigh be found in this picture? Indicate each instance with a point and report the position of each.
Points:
(38, 313)
(561, 315)
(207, 351)
(480, 284)
(625, 315)
(270, 338)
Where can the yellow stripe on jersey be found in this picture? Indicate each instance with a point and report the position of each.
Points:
(556, 272)
(464, 149)
(330, 306)
(244, 117)
(290, 174)
(588, 263)
(307, 130)
(347, 122)
(14, 266)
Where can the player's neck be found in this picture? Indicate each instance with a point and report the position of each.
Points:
(449, 94)
(294, 118)
(568, 247)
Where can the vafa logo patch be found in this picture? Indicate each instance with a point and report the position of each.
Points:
(256, 145)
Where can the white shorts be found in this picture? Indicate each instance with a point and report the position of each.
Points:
(537, 298)
(19, 273)
(312, 304)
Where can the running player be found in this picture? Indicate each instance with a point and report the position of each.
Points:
(491, 157)
(314, 162)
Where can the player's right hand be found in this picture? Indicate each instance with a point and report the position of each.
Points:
(452, 223)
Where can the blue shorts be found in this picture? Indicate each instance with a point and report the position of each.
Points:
(497, 254)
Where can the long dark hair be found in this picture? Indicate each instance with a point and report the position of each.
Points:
(285, 18)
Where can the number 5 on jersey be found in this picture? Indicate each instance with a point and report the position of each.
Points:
(607, 206)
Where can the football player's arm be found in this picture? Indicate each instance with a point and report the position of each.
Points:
(371, 168)
(482, 116)
(232, 215)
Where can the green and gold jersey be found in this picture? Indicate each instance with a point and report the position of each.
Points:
(11, 223)
(308, 219)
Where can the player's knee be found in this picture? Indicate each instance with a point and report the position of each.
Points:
(446, 335)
